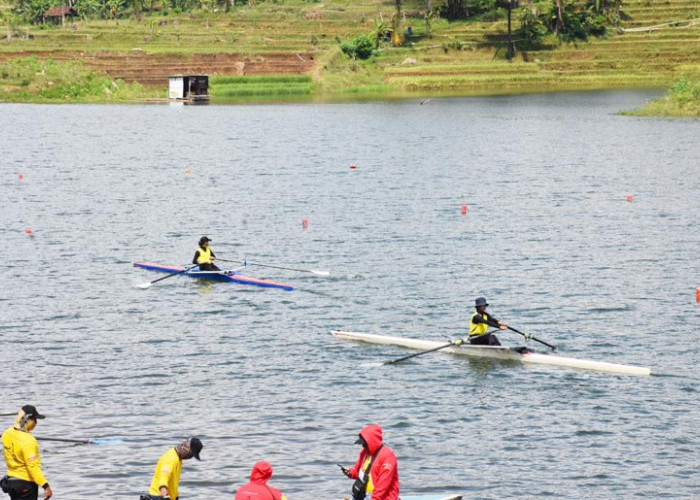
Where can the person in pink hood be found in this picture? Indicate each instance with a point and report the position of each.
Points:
(257, 488)
(376, 471)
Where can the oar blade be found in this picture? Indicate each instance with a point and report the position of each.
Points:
(143, 286)
(321, 273)
(105, 441)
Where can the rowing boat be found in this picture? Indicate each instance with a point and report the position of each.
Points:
(228, 276)
(525, 356)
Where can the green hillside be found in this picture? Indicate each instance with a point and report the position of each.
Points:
(656, 43)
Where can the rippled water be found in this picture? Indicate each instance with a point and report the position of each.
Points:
(548, 238)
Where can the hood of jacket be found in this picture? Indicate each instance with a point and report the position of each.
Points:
(372, 434)
(262, 471)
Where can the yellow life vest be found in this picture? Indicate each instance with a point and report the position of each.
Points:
(478, 328)
(204, 256)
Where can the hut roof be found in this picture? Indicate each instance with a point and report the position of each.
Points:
(59, 11)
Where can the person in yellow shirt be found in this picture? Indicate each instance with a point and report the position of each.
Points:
(204, 256)
(21, 451)
(167, 476)
(480, 323)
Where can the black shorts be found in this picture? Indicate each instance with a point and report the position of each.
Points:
(488, 339)
(19, 489)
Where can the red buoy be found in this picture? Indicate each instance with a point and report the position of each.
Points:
(629, 198)
(352, 165)
(20, 176)
(464, 210)
(304, 223)
(28, 230)
(697, 295)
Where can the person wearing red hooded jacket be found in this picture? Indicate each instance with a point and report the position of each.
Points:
(257, 488)
(381, 482)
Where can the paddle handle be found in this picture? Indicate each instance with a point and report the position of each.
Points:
(528, 336)
(64, 440)
(418, 354)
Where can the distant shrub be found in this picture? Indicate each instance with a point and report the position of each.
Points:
(361, 47)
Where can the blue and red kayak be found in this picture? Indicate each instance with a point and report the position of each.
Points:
(229, 276)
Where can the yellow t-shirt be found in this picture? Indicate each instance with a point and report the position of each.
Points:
(22, 456)
(167, 474)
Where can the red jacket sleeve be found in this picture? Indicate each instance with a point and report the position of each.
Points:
(354, 471)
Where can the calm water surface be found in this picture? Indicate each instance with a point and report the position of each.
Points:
(548, 238)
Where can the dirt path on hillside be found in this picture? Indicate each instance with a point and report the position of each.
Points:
(154, 69)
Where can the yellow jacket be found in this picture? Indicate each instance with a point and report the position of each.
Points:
(22, 456)
(167, 474)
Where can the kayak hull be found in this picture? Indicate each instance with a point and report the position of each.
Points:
(495, 352)
(227, 276)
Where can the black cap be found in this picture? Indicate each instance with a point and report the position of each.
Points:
(196, 446)
(31, 412)
(203, 240)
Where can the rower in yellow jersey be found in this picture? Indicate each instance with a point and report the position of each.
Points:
(204, 257)
(480, 323)
(166, 479)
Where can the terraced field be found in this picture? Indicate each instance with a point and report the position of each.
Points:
(657, 42)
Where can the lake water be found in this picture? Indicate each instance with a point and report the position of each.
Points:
(549, 238)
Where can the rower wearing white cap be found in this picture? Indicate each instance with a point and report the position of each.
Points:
(479, 325)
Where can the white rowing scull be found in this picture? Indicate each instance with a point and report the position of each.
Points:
(496, 352)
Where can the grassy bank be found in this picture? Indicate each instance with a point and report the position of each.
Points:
(32, 80)
(655, 44)
(682, 100)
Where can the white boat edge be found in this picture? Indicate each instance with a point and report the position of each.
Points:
(496, 352)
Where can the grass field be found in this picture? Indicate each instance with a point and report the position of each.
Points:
(657, 43)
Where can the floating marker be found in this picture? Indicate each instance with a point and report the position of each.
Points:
(629, 198)
(20, 176)
(28, 230)
(352, 165)
(188, 171)
(697, 295)
(304, 223)
(464, 210)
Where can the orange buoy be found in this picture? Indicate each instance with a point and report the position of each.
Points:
(464, 210)
(28, 230)
(304, 223)
(697, 295)
(352, 165)
(20, 176)
(629, 198)
(188, 171)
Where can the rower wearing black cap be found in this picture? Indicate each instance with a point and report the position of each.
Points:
(21, 450)
(166, 479)
(204, 257)
(479, 325)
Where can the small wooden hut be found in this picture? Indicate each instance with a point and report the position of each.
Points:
(59, 13)
(189, 88)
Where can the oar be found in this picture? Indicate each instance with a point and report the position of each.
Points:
(528, 336)
(80, 441)
(452, 343)
(313, 271)
(147, 285)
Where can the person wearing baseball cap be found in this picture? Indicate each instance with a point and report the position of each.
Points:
(479, 325)
(376, 471)
(21, 451)
(204, 257)
(167, 476)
